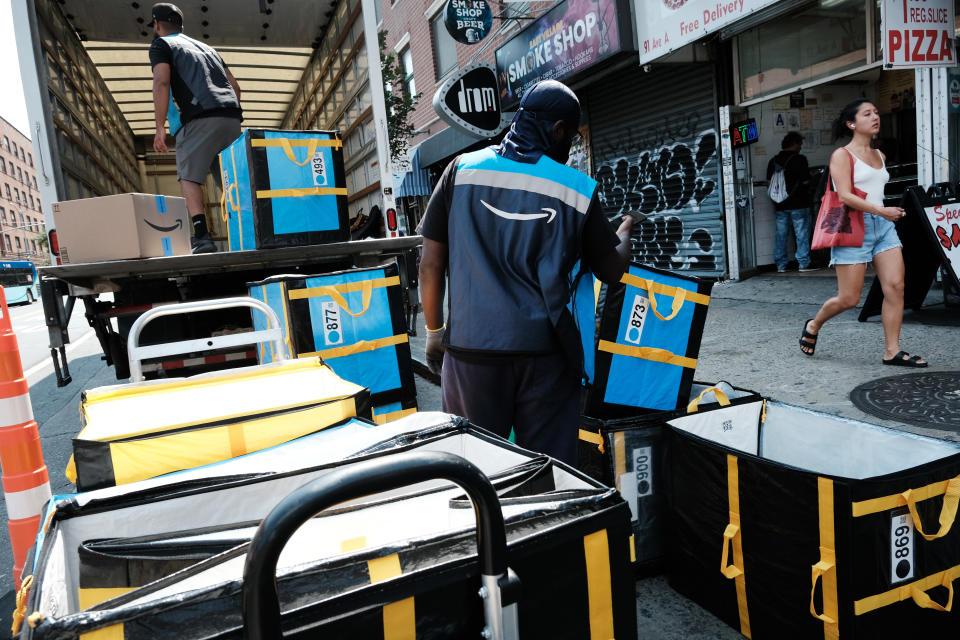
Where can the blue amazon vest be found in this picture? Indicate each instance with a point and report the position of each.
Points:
(514, 236)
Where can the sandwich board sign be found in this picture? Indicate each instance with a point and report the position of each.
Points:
(470, 100)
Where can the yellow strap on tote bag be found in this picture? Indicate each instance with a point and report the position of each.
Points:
(722, 398)
(825, 571)
(287, 145)
(679, 294)
(949, 489)
(916, 591)
(948, 512)
(336, 292)
(733, 538)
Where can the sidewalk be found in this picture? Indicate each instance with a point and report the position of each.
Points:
(751, 340)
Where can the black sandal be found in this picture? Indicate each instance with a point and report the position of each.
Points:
(904, 359)
(809, 340)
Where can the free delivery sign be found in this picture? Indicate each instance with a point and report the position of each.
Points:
(918, 33)
(666, 25)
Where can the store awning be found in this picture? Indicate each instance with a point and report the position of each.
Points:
(415, 182)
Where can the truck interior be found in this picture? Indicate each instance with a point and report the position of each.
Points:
(300, 64)
(93, 56)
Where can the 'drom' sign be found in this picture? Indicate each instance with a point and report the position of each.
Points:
(470, 99)
(918, 33)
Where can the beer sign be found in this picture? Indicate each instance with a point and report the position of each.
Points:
(918, 33)
(470, 100)
(468, 21)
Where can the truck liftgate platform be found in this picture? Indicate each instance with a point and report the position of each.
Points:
(142, 284)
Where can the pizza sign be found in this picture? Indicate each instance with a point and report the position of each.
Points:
(918, 33)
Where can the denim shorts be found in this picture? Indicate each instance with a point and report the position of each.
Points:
(879, 235)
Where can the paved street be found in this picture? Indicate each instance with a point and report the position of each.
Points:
(750, 340)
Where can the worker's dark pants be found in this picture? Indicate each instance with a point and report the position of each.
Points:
(536, 395)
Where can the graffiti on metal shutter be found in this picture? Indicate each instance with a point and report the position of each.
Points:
(665, 183)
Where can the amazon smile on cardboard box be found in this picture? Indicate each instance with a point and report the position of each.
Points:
(120, 227)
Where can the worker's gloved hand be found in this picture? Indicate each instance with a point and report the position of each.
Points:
(434, 350)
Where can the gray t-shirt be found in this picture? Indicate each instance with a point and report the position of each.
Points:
(198, 78)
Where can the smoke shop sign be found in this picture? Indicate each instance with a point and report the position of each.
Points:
(569, 38)
(666, 25)
(468, 21)
(470, 100)
(918, 33)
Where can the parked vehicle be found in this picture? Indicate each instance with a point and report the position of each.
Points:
(19, 281)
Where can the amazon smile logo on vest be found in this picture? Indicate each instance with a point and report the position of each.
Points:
(552, 213)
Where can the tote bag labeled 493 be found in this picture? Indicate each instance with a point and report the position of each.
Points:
(648, 342)
(283, 189)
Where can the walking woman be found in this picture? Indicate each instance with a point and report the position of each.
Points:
(861, 121)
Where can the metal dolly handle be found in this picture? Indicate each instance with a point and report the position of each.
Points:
(261, 602)
(137, 354)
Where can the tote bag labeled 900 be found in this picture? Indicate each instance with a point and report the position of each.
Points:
(837, 224)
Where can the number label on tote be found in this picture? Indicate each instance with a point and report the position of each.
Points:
(643, 470)
(901, 548)
(319, 166)
(332, 329)
(638, 314)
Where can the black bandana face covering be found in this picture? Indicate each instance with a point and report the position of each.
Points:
(530, 134)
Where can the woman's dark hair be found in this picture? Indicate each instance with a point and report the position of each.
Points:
(849, 114)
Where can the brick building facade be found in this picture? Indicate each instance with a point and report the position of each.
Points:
(21, 211)
(416, 26)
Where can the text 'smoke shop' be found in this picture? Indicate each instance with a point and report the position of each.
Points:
(564, 41)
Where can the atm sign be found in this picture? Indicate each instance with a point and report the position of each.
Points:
(744, 133)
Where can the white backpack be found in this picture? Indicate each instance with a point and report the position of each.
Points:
(778, 183)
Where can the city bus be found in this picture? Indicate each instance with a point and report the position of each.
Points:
(19, 281)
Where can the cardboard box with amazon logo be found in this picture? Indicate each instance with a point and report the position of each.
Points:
(121, 227)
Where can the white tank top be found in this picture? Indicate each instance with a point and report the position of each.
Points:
(870, 180)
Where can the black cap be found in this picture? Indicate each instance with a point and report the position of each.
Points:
(166, 12)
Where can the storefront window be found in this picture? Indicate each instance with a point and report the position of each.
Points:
(815, 43)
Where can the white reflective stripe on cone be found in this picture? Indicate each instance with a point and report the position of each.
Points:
(27, 503)
(15, 410)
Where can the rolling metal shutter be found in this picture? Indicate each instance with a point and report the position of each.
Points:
(655, 148)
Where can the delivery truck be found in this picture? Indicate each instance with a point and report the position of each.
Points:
(301, 64)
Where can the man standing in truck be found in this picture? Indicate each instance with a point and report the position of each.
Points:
(194, 90)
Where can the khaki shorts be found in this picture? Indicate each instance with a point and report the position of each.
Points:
(198, 144)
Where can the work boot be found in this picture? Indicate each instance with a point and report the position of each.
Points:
(202, 244)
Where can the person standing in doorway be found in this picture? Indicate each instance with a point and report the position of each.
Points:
(194, 90)
(794, 209)
(881, 244)
(508, 224)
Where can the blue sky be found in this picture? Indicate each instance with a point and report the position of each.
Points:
(12, 107)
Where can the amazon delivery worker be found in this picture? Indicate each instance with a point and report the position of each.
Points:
(508, 224)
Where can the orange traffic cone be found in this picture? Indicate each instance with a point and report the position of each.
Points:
(26, 485)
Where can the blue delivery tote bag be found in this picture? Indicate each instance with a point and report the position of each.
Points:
(354, 321)
(585, 288)
(648, 342)
(284, 188)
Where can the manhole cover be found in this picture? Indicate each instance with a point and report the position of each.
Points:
(921, 399)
